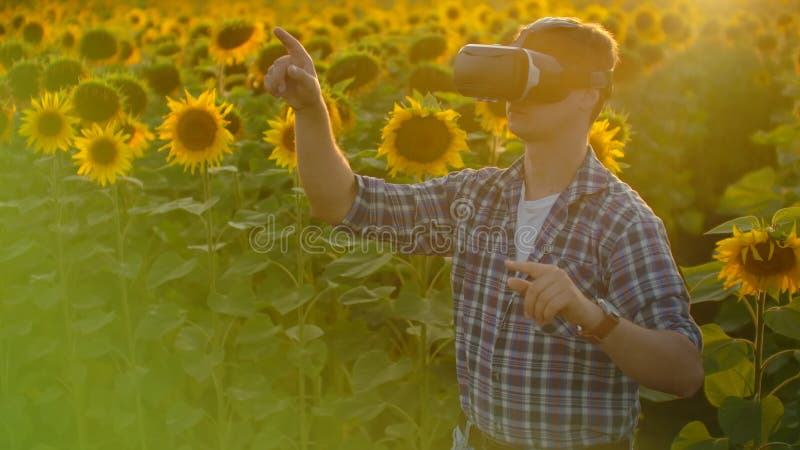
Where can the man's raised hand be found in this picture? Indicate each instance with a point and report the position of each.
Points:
(292, 77)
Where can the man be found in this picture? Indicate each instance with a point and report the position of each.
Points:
(557, 327)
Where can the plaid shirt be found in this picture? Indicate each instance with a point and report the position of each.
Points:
(519, 383)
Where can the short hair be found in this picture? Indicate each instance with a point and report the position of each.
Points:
(587, 46)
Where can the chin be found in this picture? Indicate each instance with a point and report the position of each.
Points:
(529, 134)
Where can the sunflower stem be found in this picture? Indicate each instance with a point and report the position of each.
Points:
(759, 348)
(301, 379)
(784, 383)
(221, 80)
(127, 314)
(76, 388)
(423, 358)
(212, 275)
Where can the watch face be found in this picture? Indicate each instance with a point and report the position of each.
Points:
(608, 307)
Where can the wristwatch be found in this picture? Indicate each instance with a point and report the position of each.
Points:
(610, 320)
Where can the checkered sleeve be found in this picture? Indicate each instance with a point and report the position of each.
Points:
(645, 284)
(411, 218)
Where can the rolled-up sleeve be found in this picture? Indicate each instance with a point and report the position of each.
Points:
(645, 284)
(412, 218)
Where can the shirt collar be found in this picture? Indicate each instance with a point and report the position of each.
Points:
(592, 176)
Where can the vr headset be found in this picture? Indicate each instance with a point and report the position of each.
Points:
(513, 73)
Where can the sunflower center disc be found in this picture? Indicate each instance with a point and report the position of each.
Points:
(234, 36)
(423, 139)
(196, 130)
(50, 124)
(103, 151)
(782, 260)
(287, 137)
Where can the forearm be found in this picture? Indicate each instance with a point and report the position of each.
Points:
(663, 360)
(324, 171)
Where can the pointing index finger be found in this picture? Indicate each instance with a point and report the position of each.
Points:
(292, 45)
(529, 267)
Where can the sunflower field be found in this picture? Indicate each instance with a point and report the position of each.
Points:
(162, 285)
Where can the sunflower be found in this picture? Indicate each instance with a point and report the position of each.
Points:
(760, 261)
(96, 101)
(6, 122)
(196, 130)
(493, 117)
(235, 40)
(138, 135)
(98, 45)
(62, 73)
(359, 66)
(34, 32)
(606, 144)
(646, 23)
(48, 124)
(281, 135)
(163, 78)
(24, 80)
(102, 153)
(422, 139)
(428, 47)
(136, 19)
(330, 99)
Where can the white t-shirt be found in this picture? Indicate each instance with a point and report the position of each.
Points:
(530, 218)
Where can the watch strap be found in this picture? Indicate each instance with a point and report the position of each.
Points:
(599, 332)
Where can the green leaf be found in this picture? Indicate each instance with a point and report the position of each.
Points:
(191, 339)
(310, 332)
(204, 247)
(257, 328)
(239, 302)
(703, 283)
(181, 417)
(357, 265)
(745, 223)
(169, 266)
(736, 382)
(247, 264)
(720, 351)
(159, 320)
(411, 306)
(785, 320)
(786, 218)
(16, 249)
(361, 407)
(228, 168)
(187, 204)
(287, 300)
(200, 365)
(374, 368)
(771, 413)
(694, 436)
(362, 294)
(129, 268)
(245, 219)
(309, 358)
(93, 321)
(740, 419)
(754, 194)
